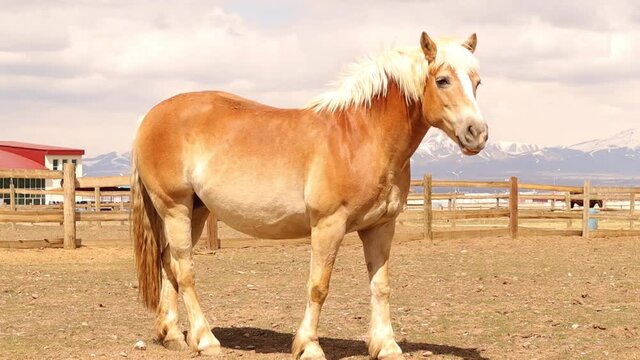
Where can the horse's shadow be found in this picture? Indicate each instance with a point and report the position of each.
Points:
(269, 342)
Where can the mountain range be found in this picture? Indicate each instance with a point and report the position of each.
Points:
(608, 161)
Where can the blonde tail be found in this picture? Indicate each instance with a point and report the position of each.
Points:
(148, 241)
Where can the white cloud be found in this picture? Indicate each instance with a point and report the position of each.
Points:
(100, 64)
(31, 30)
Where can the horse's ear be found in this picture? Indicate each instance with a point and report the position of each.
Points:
(471, 43)
(428, 47)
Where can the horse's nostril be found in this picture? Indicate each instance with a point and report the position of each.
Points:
(471, 130)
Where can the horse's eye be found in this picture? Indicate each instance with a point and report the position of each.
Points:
(443, 81)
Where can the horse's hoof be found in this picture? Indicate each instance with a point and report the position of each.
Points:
(313, 352)
(385, 350)
(175, 345)
(303, 348)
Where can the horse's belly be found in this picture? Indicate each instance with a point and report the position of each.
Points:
(264, 214)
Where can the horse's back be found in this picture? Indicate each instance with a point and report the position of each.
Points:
(194, 105)
(199, 122)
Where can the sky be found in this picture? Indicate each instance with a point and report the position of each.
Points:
(81, 73)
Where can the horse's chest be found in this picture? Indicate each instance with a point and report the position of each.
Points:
(386, 206)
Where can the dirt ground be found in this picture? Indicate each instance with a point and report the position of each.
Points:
(485, 298)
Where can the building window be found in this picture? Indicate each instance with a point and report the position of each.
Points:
(74, 162)
(64, 161)
(24, 199)
(56, 163)
(4, 184)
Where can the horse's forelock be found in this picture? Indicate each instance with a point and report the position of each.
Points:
(452, 53)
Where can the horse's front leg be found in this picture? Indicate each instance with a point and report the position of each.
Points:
(326, 237)
(377, 244)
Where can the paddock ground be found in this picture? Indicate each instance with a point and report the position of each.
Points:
(484, 298)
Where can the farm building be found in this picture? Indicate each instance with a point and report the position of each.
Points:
(19, 155)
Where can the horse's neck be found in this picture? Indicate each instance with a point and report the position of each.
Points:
(398, 127)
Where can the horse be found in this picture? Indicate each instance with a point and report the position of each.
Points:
(580, 202)
(339, 165)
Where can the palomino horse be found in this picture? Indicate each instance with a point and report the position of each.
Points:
(340, 165)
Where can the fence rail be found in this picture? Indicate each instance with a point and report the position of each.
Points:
(69, 211)
(510, 205)
(512, 202)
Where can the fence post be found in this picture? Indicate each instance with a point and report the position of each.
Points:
(427, 206)
(632, 209)
(69, 205)
(98, 204)
(567, 208)
(586, 192)
(513, 207)
(12, 196)
(212, 232)
(454, 207)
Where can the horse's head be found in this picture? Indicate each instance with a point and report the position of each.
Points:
(449, 96)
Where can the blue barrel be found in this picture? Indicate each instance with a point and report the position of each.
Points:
(593, 223)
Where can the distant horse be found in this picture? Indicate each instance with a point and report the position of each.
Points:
(337, 166)
(580, 202)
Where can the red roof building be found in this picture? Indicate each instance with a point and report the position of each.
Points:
(14, 161)
(19, 155)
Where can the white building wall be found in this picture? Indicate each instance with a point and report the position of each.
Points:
(55, 184)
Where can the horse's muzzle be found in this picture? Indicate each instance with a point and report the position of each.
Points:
(474, 138)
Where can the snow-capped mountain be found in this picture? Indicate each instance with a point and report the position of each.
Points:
(437, 145)
(515, 148)
(107, 164)
(613, 160)
(625, 139)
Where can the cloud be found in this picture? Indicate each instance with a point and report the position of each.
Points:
(89, 64)
(552, 113)
(28, 29)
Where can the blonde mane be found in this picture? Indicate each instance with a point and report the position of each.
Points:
(406, 66)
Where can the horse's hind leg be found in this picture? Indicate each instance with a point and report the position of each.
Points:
(178, 228)
(377, 245)
(167, 328)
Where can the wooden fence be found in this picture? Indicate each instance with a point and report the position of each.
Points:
(508, 202)
(67, 213)
(70, 211)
